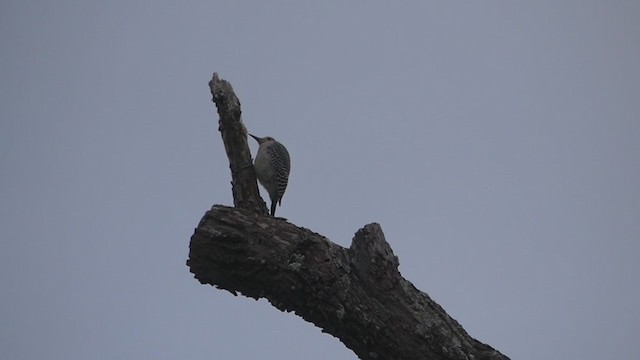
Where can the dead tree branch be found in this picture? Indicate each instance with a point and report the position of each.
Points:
(356, 294)
(234, 135)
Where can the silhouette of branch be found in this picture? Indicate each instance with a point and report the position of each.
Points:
(356, 294)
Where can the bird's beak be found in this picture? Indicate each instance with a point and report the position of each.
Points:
(255, 137)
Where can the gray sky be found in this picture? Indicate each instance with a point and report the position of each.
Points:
(497, 143)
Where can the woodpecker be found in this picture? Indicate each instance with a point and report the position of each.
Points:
(272, 166)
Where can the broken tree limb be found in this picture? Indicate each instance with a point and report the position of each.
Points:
(234, 136)
(357, 294)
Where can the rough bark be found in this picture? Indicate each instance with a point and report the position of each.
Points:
(356, 294)
(234, 136)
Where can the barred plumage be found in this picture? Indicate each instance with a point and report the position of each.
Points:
(272, 167)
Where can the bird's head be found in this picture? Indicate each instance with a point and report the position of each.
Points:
(262, 140)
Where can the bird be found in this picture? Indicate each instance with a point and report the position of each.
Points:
(272, 166)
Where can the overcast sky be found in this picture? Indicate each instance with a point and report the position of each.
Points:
(497, 143)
